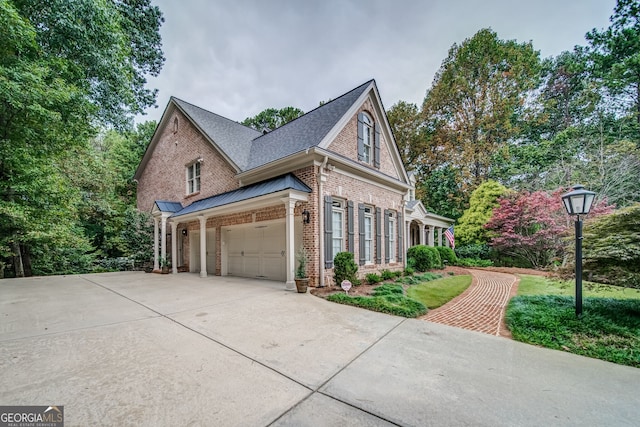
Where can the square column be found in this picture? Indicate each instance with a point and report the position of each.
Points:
(430, 235)
(203, 246)
(156, 259)
(290, 205)
(174, 247)
(439, 236)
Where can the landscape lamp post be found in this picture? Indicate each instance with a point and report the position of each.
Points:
(578, 202)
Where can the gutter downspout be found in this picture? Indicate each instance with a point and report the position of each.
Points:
(322, 177)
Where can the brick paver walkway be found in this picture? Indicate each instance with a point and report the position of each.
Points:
(481, 307)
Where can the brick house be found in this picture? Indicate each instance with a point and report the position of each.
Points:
(228, 200)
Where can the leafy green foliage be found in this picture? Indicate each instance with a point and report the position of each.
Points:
(272, 118)
(425, 257)
(481, 251)
(345, 268)
(612, 247)
(474, 262)
(477, 98)
(386, 299)
(447, 254)
(373, 278)
(404, 119)
(615, 54)
(65, 68)
(484, 199)
(414, 280)
(609, 329)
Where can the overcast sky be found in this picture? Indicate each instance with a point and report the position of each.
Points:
(238, 57)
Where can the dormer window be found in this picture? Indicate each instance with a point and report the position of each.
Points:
(193, 178)
(368, 140)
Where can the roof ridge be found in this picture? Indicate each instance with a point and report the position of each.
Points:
(318, 107)
(175, 98)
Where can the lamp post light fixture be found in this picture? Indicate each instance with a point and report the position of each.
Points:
(578, 202)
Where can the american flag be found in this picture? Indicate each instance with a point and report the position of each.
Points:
(449, 235)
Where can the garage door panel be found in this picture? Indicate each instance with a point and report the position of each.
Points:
(257, 251)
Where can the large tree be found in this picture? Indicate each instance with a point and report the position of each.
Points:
(65, 68)
(470, 229)
(477, 96)
(615, 54)
(272, 118)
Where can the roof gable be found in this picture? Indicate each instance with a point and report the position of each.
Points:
(231, 138)
(304, 132)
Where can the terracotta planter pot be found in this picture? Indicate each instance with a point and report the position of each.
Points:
(301, 285)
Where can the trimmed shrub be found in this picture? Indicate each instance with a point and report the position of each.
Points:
(474, 262)
(388, 275)
(482, 251)
(373, 278)
(447, 254)
(426, 257)
(345, 268)
(409, 271)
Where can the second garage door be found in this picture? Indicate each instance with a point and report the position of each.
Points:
(257, 251)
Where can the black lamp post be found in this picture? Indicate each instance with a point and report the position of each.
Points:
(578, 202)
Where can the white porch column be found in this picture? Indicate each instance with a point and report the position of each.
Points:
(156, 259)
(421, 234)
(203, 246)
(430, 235)
(174, 247)
(290, 206)
(163, 237)
(439, 236)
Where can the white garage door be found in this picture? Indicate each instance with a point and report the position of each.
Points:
(257, 251)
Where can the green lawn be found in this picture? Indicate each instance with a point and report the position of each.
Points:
(538, 285)
(436, 293)
(543, 314)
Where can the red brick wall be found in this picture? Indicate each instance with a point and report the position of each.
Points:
(346, 187)
(346, 143)
(164, 177)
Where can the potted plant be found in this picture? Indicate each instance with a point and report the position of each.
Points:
(165, 265)
(302, 280)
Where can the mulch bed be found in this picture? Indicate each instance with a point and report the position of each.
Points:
(365, 289)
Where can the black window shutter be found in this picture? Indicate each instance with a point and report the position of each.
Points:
(386, 237)
(361, 232)
(376, 147)
(350, 227)
(360, 137)
(378, 235)
(400, 237)
(328, 232)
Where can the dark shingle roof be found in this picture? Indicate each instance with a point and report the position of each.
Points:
(233, 138)
(412, 204)
(166, 206)
(270, 186)
(302, 133)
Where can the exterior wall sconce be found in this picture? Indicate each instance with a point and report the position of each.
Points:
(306, 217)
(184, 232)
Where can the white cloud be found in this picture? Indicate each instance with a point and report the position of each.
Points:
(236, 58)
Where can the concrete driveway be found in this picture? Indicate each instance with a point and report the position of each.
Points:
(145, 349)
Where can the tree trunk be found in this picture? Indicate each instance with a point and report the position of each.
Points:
(26, 261)
(18, 267)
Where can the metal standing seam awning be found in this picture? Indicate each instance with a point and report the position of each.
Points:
(254, 195)
(286, 189)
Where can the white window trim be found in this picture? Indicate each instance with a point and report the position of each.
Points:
(368, 242)
(367, 138)
(337, 207)
(194, 181)
(392, 239)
